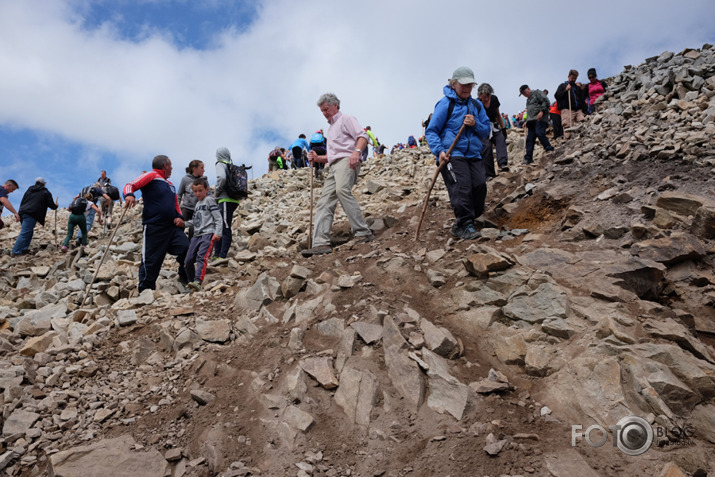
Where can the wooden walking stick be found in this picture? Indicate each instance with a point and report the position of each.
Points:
(310, 222)
(57, 203)
(570, 111)
(111, 237)
(434, 179)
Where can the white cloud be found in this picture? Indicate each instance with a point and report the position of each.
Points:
(386, 61)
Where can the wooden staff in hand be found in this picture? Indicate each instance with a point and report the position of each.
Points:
(434, 179)
(57, 203)
(106, 251)
(310, 222)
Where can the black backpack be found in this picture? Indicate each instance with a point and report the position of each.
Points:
(236, 181)
(79, 205)
(112, 192)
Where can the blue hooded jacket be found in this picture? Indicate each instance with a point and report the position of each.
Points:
(442, 130)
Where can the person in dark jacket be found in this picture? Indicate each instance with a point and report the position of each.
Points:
(491, 103)
(465, 172)
(537, 119)
(571, 110)
(97, 194)
(163, 224)
(33, 209)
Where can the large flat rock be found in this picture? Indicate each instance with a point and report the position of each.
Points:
(113, 457)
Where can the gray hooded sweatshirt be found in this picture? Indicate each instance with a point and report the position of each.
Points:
(223, 156)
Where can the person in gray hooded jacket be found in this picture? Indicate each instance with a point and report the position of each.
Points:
(227, 206)
(185, 193)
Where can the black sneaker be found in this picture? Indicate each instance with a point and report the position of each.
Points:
(504, 169)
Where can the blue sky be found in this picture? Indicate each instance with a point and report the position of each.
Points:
(90, 85)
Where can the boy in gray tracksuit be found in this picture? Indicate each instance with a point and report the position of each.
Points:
(207, 225)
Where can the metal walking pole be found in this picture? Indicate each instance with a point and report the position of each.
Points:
(111, 237)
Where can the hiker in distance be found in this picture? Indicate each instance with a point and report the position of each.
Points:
(33, 209)
(346, 142)
(537, 120)
(8, 187)
(227, 205)
(465, 172)
(162, 222)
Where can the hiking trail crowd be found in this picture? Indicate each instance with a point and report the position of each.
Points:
(193, 222)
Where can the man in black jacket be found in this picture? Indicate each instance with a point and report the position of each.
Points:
(33, 209)
(571, 110)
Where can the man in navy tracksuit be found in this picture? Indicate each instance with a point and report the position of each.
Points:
(163, 224)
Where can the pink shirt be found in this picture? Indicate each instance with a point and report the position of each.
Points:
(342, 136)
(595, 90)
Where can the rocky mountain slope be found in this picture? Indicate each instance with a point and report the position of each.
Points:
(589, 299)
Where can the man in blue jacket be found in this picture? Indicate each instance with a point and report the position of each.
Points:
(465, 172)
(297, 148)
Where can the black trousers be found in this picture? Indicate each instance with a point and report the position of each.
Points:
(158, 241)
(466, 182)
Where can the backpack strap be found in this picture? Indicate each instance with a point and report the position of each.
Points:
(450, 109)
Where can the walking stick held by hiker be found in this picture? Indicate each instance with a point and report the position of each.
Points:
(568, 92)
(111, 237)
(434, 179)
(310, 220)
(57, 203)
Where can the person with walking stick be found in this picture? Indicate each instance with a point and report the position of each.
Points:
(346, 142)
(569, 98)
(463, 169)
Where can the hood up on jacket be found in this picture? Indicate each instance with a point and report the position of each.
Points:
(223, 155)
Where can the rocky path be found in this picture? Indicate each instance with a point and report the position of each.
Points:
(588, 300)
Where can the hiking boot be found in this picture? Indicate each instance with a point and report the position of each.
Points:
(319, 250)
(456, 230)
(470, 233)
(64, 249)
(364, 238)
(195, 285)
(527, 163)
(504, 169)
